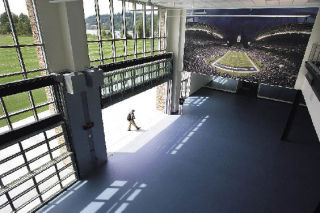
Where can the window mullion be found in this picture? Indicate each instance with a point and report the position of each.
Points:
(159, 28)
(144, 28)
(135, 29)
(124, 28)
(165, 29)
(152, 30)
(112, 30)
(96, 6)
(15, 38)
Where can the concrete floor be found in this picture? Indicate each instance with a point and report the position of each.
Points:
(222, 155)
(117, 136)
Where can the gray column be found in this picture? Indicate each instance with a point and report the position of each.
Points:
(176, 21)
(83, 106)
(63, 31)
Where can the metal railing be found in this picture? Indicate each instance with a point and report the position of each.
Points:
(129, 78)
(36, 162)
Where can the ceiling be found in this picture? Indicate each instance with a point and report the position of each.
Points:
(234, 4)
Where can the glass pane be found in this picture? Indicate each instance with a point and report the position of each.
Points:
(45, 111)
(140, 46)
(3, 125)
(17, 102)
(162, 27)
(156, 22)
(120, 59)
(108, 61)
(130, 57)
(107, 49)
(93, 50)
(37, 74)
(129, 20)
(5, 38)
(24, 22)
(148, 45)
(119, 48)
(117, 18)
(96, 63)
(30, 57)
(156, 44)
(5, 30)
(41, 95)
(139, 55)
(130, 47)
(1, 110)
(22, 119)
(162, 45)
(139, 21)
(90, 19)
(9, 62)
(105, 21)
(11, 79)
(148, 21)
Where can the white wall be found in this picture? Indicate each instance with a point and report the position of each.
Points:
(315, 37)
(176, 22)
(313, 106)
(312, 102)
(63, 32)
(198, 81)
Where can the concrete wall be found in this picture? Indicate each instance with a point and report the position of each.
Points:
(312, 102)
(63, 32)
(176, 22)
(198, 81)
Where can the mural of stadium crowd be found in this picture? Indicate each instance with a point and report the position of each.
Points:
(262, 49)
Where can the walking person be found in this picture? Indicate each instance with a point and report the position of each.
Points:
(131, 118)
(181, 101)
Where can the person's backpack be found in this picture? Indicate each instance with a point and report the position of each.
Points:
(129, 117)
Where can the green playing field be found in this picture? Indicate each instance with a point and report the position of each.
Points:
(235, 59)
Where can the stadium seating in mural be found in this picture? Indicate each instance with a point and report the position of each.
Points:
(271, 54)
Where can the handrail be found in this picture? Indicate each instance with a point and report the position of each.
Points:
(30, 129)
(27, 85)
(132, 80)
(134, 62)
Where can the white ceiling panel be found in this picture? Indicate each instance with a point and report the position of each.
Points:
(228, 4)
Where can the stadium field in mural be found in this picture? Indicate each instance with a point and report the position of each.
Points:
(260, 45)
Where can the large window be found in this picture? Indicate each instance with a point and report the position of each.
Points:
(21, 57)
(36, 162)
(21, 47)
(120, 30)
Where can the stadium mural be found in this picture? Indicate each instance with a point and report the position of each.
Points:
(257, 45)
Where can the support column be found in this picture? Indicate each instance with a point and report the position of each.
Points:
(302, 83)
(63, 31)
(83, 106)
(176, 22)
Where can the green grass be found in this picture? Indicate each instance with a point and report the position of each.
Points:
(9, 63)
(233, 73)
(108, 50)
(236, 59)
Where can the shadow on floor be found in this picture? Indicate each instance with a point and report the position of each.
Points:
(224, 154)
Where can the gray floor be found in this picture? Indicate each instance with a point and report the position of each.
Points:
(223, 155)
